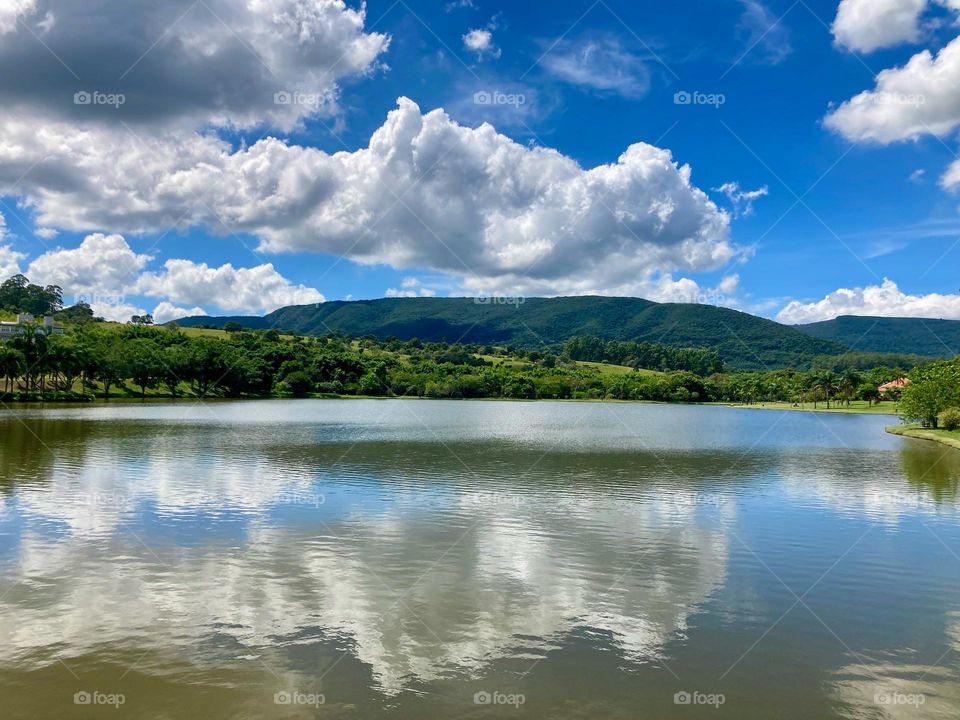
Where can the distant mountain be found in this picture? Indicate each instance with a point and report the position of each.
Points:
(743, 340)
(921, 336)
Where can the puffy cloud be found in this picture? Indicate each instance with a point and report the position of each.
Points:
(951, 178)
(101, 265)
(411, 288)
(258, 289)
(919, 98)
(166, 311)
(11, 11)
(600, 64)
(10, 261)
(884, 300)
(480, 41)
(115, 310)
(742, 200)
(425, 193)
(104, 271)
(868, 25)
(217, 61)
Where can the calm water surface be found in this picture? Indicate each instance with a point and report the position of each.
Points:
(429, 559)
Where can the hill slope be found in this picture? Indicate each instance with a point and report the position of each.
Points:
(743, 340)
(935, 338)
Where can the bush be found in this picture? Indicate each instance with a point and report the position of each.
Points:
(298, 383)
(950, 419)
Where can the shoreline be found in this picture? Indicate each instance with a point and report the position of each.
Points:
(159, 398)
(919, 433)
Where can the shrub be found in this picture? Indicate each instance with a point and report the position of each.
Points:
(298, 383)
(950, 419)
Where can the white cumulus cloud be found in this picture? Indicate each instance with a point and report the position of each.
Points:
(218, 62)
(106, 271)
(167, 311)
(12, 10)
(884, 300)
(101, 265)
(480, 41)
(115, 311)
(919, 98)
(868, 25)
(426, 192)
(951, 178)
(10, 261)
(259, 289)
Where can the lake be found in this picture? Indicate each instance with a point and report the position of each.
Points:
(443, 559)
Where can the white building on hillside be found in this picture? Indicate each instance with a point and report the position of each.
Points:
(12, 329)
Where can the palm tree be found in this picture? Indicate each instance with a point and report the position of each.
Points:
(826, 382)
(12, 365)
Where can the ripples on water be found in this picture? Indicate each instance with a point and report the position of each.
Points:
(398, 557)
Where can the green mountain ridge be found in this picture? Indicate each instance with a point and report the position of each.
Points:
(922, 336)
(744, 341)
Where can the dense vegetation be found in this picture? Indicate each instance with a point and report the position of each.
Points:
(137, 359)
(18, 295)
(652, 356)
(95, 358)
(933, 394)
(742, 341)
(923, 336)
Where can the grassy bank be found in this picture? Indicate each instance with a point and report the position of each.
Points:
(947, 437)
(861, 407)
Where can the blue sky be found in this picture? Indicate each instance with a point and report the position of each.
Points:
(800, 203)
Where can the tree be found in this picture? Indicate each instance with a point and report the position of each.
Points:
(142, 319)
(233, 326)
(12, 365)
(18, 295)
(175, 363)
(144, 365)
(932, 389)
(80, 314)
(299, 383)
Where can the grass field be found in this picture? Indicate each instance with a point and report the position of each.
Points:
(856, 406)
(947, 437)
(606, 369)
(204, 332)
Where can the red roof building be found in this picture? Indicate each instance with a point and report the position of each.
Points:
(893, 385)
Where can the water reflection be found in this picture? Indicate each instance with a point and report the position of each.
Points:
(386, 562)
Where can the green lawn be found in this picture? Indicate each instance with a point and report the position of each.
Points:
(856, 406)
(947, 437)
(204, 332)
(606, 369)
